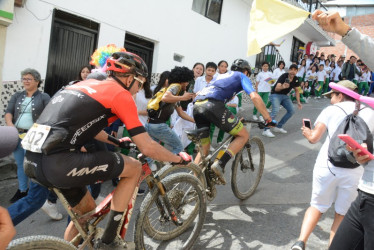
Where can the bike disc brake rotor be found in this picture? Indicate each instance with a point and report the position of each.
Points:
(175, 197)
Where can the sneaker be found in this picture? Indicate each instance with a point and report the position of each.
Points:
(51, 210)
(268, 133)
(268, 110)
(117, 243)
(211, 149)
(299, 245)
(141, 192)
(219, 171)
(261, 119)
(279, 130)
(18, 195)
(254, 118)
(318, 97)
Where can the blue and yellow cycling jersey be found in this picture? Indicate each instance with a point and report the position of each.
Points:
(225, 87)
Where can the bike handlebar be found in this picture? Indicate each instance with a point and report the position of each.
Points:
(260, 124)
(122, 144)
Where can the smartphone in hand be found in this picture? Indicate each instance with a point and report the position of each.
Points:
(307, 123)
(355, 145)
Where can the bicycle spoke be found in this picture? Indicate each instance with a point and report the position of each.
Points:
(185, 201)
(247, 169)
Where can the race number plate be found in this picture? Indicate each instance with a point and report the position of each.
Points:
(35, 138)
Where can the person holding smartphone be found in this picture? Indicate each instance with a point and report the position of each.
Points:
(357, 228)
(331, 184)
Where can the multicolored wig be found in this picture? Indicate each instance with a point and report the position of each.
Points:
(101, 54)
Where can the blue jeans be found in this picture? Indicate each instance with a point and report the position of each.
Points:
(162, 132)
(19, 156)
(285, 101)
(29, 204)
(371, 88)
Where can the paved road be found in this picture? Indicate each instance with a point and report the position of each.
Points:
(270, 219)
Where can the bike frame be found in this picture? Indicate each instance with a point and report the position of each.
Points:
(205, 160)
(103, 208)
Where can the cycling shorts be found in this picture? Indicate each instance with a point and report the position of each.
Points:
(210, 111)
(71, 172)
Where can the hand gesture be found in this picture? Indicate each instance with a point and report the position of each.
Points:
(7, 230)
(360, 158)
(331, 22)
(187, 96)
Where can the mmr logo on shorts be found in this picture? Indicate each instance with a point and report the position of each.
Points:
(87, 171)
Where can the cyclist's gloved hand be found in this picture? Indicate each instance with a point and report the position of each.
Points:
(270, 123)
(125, 143)
(185, 159)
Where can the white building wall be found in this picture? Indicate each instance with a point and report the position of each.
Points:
(27, 40)
(171, 24)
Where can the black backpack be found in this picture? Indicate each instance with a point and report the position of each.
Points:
(355, 127)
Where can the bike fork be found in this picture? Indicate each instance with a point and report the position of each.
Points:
(172, 213)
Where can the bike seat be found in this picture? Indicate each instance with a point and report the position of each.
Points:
(197, 134)
(30, 172)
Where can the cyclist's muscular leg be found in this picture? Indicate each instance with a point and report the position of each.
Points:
(240, 140)
(125, 188)
(121, 197)
(205, 147)
(85, 205)
(241, 137)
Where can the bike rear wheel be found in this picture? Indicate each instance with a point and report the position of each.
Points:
(247, 169)
(40, 242)
(154, 227)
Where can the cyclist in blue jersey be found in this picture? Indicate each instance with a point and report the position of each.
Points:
(209, 107)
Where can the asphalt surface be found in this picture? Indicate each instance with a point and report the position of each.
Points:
(270, 219)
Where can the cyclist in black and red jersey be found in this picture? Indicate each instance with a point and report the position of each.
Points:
(79, 113)
(209, 107)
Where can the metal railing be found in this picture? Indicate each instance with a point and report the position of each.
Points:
(268, 54)
(308, 5)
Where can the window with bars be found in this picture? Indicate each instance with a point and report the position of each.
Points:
(209, 8)
(296, 44)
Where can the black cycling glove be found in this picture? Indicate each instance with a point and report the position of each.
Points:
(270, 123)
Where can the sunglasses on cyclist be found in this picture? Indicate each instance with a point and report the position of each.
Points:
(140, 84)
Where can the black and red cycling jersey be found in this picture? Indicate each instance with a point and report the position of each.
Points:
(79, 112)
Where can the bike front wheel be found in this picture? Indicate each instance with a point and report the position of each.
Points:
(40, 242)
(154, 227)
(190, 168)
(247, 169)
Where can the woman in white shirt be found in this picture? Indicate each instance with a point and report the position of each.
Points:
(301, 71)
(311, 76)
(279, 71)
(264, 81)
(364, 80)
(141, 101)
(327, 69)
(276, 74)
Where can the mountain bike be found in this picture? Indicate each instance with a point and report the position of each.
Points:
(171, 216)
(246, 170)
